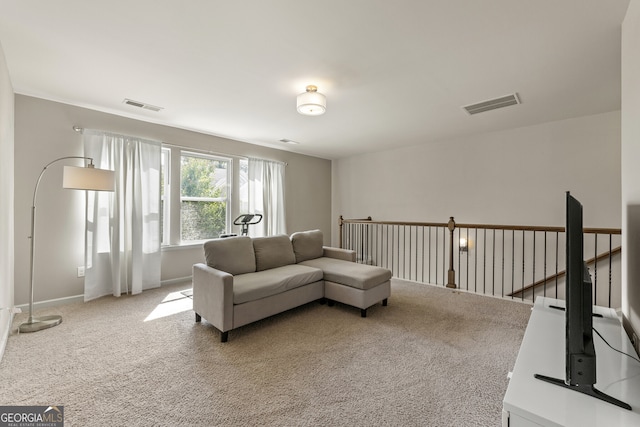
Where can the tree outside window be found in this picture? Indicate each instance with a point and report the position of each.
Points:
(204, 196)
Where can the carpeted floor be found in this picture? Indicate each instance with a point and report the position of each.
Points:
(433, 357)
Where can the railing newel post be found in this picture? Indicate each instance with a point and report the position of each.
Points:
(451, 283)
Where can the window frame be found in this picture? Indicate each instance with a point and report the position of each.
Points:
(165, 196)
(172, 219)
(226, 199)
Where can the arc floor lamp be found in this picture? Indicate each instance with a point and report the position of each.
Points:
(77, 178)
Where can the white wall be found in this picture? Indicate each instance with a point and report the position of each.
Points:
(43, 132)
(515, 177)
(630, 169)
(6, 201)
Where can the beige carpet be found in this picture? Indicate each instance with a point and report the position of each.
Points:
(433, 357)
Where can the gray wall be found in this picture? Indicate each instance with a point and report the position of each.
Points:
(43, 132)
(515, 177)
(630, 169)
(6, 200)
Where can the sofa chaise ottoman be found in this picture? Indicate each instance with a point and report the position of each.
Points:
(247, 279)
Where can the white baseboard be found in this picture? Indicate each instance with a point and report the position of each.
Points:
(176, 281)
(51, 302)
(6, 317)
(66, 300)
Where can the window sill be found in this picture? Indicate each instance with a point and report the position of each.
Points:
(183, 246)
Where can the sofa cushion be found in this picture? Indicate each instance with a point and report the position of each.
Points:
(273, 251)
(253, 286)
(307, 245)
(233, 255)
(361, 276)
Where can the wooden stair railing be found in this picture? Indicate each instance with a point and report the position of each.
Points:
(408, 250)
(562, 273)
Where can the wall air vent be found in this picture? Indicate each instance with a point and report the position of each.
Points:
(492, 104)
(141, 105)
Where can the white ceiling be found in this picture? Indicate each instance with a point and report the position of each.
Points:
(395, 73)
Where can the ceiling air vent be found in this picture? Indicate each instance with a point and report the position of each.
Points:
(141, 105)
(493, 104)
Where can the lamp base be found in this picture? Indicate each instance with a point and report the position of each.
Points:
(39, 323)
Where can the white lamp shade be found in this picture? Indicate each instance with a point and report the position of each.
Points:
(312, 103)
(89, 178)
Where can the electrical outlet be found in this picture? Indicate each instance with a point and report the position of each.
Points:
(81, 271)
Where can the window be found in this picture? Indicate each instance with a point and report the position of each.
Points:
(202, 193)
(204, 196)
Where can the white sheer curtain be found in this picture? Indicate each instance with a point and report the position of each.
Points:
(123, 228)
(266, 197)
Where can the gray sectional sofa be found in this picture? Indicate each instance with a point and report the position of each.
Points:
(247, 279)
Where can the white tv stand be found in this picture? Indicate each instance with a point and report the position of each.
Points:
(530, 402)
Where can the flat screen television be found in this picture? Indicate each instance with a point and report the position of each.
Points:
(580, 359)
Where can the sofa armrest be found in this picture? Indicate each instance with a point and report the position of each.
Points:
(213, 296)
(338, 253)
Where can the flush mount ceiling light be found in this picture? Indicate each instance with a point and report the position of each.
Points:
(312, 102)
